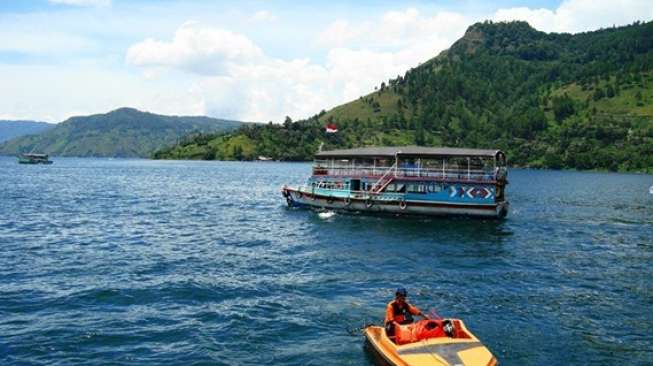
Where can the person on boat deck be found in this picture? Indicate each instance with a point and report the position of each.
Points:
(399, 311)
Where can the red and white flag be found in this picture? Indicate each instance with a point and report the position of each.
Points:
(331, 128)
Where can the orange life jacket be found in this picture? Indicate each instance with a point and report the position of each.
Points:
(423, 329)
(402, 313)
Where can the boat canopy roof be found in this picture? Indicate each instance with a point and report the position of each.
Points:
(408, 151)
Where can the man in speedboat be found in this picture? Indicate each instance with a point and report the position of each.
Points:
(399, 311)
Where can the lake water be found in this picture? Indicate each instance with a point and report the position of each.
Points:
(138, 262)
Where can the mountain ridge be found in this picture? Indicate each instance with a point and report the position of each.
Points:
(123, 132)
(10, 129)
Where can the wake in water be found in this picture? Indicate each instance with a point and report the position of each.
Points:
(326, 214)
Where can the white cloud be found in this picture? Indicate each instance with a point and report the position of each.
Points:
(395, 30)
(263, 16)
(573, 16)
(237, 80)
(268, 91)
(372, 52)
(541, 19)
(82, 2)
(357, 72)
(54, 93)
(196, 48)
(340, 32)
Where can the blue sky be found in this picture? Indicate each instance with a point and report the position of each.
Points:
(248, 60)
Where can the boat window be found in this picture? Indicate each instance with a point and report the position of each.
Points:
(433, 187)
(390, 187)
(400, 188)
(416, 188)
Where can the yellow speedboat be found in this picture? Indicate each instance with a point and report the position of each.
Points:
(430, 343)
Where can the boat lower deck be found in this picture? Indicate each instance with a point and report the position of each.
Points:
(392, 204)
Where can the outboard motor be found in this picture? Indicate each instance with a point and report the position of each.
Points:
(449, 328)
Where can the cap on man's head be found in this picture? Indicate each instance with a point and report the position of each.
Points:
(401, 292)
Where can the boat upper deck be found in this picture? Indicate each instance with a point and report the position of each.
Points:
(35, 156)
(409, 151)
(414, 163)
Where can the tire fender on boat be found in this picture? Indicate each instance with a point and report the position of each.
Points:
(347, 201)
(329, 200)
(369, 203)
(402, 204)
(289, 200)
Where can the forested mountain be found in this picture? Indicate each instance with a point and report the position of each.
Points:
(580, 101)
(124, 132)
(11, 129)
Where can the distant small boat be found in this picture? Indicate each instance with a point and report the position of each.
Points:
(34, 159)
(650, 190)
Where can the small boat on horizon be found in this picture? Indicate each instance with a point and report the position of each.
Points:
(31, 158)
(410, 180)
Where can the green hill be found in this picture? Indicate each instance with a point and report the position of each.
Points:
(12, 129)
(580, 101)
(125, 132)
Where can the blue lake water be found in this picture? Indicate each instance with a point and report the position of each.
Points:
(137, 262)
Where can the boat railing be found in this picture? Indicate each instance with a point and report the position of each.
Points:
(343, 193)
(385, 179)
(490, 174)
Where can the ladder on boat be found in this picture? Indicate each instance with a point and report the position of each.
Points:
(385, 179)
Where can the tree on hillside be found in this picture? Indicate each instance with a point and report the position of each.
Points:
(639, 98)
(563, 107)
(598, 94)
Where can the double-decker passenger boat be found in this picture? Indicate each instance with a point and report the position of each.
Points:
(34, 159)
(406, 180)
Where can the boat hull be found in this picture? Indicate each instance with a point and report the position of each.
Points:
(430, 352)
(297, 198)
(34, 162)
